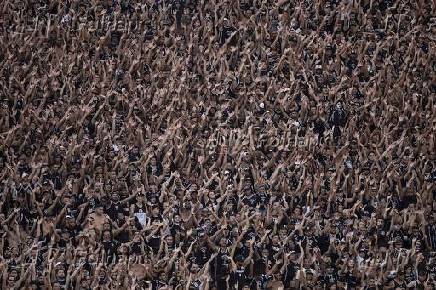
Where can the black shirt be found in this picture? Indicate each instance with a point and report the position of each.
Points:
(291, 272)
(114, 209)
(226, 32)
(338, 118)
(111, 248)
(239, 276)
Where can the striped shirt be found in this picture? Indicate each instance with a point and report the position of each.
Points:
(431, 236)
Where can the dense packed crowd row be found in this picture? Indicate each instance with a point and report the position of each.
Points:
(223, 144)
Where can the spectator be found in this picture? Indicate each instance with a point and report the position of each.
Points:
(246, 144)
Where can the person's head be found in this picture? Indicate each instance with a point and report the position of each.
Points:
(107, 226)
(155, 210)
(166, 168)
(194, 268)
(169, 240)
(140, 197)
(223, 242)
(85, 281)
(153, 161)
(163, 276)
(70, 221)
(390, 284)
(99, 210)
(12, 277)
(65, 236)
(239, 260)
(137, 237)
(106, 236)
(265, 253)
(60, 274)
(297, 211)
(422, 276)
(398, 243)
(400, 276)
(102, 274)
(380, 223)
(205, 213)
(91, 258)
(275, 240)
(115, 197)
(114, 273)
(362, 225)
(123, 249)
(418, 246)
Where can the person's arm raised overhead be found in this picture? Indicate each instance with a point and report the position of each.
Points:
(236, 244)
(172, 259)
(23, 278)
(211, 244)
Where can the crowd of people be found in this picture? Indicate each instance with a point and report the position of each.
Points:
(222, 144)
